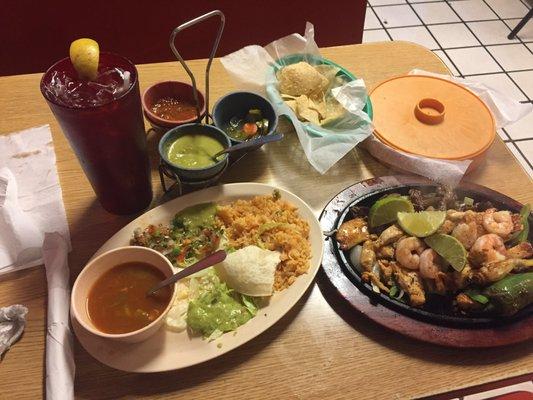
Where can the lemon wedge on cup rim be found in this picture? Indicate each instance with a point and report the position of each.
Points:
(85, 56)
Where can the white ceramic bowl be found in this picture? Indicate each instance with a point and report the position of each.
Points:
(100, 265)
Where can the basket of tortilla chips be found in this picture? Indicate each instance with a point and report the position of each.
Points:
(328, 106)
(306, 84)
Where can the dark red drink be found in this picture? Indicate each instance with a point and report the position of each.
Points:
(102, 120)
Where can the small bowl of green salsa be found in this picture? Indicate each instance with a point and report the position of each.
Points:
(244, 115)
(188, 150)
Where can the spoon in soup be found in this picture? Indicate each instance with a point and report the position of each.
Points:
(249, 144)
(206, 262)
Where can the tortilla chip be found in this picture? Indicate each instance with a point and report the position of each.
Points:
(310, 115)
(327, 71)
(292, 105)
(304, 112)
(319, 106)
(301, 79)
(334, 111)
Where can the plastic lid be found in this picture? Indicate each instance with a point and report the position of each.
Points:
(431, 117)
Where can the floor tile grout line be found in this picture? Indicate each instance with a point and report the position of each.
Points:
(399, 4)
(381, 23)
(431, 1)
(525, 3)
(506, 133)
(519, 41)
(523, 139)
(522, 154)
(437, 23)
(434, 38)
(500, 72)
(484, 47)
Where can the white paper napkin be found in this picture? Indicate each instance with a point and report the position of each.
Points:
(12, 323)
(31, 202)
(60, 366)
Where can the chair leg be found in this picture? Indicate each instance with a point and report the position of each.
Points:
(520, 25)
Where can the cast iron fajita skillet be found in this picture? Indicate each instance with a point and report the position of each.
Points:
(436, 312)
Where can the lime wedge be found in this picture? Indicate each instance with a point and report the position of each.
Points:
(448, 248)
(85, 56)
(384, 210)
(421, 224)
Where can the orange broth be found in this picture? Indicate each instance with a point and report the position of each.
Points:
(117, 301)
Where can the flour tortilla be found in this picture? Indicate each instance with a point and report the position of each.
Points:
(250, 270)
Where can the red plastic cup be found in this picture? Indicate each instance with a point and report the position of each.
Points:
(109, 139)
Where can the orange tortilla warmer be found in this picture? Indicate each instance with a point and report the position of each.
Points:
(432, 117)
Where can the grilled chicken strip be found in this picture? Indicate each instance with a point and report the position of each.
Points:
(522, 250)
(493, 272)
(351, 233)
(411, 283)
(389, 235)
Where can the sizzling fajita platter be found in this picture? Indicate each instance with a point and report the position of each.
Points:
(274, 247)
(452, 267)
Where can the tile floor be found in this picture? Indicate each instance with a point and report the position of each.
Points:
(470, 36)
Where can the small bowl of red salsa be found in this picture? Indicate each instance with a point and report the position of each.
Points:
(109, 297)
(171, 103)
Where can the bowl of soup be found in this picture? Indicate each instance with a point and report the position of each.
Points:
(189, 150)
(171, 103)
(244, 115)
(109, 297)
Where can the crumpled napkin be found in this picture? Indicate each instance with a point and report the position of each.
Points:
(12, 324)
(505, 110)
(252, 68)
(30, 197)
(60, 365)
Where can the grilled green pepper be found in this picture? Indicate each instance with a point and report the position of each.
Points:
(521, 236)
(511, 294)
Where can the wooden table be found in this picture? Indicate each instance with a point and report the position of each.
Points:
(321, 348)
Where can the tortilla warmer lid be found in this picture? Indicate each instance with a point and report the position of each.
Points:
(431, 117)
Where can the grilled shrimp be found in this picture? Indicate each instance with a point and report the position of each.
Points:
(430, 264)
(488, 248)
(431, 268)
(408, 252)
(466, 233)
(498, 222)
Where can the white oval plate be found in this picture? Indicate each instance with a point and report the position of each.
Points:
(168, 350)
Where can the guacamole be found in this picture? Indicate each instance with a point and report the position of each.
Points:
(198, 216)
(219, 308)
(194, 151)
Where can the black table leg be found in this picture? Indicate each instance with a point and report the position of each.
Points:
(520, 25)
